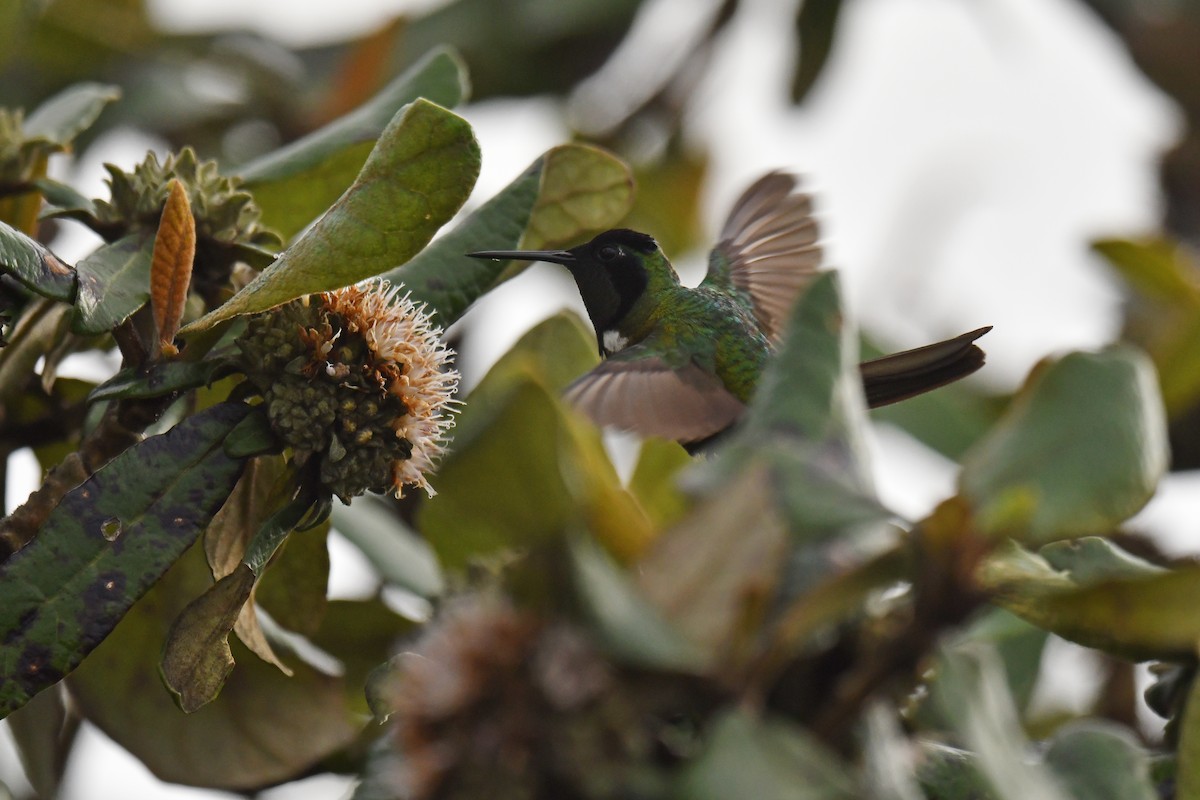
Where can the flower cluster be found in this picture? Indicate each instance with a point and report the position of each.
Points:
(359, 379)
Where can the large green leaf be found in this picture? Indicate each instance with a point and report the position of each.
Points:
(1099, 597)
(766, 759)
(35, 266)
(568, 191)
(114, 282)
(522, 468)
(1080, 450)
(418, 175)
(104, 545)
(295, 183)
(264, 727)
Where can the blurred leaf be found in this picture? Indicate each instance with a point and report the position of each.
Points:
(1156, 267)
(655, 481)
(114, 282)
(104, 545)
(500, 488)
(1019, 645)
(34, 266)
(1187, 777)
(1163, 316)
(713, 575)
(816, 28)
(1080, 450)
(889, 758)
(766, 759)
(401, 556)
(44, 734)
(568, 191)
(806, 424)
(171, 264)
(840, 592)
(971, 695)
(296, 183)
(1101, 761)
(361, 635)
(417, 176)
(563, 478)
(70, 112)
(1141, 612)
(629, 626)
(262, 729)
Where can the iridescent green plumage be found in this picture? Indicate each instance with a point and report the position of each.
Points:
(682, 363)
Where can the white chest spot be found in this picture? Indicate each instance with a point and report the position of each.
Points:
(613, 341)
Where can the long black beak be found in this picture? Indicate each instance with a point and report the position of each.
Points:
(553, 256)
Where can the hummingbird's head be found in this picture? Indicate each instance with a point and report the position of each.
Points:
(612, 271)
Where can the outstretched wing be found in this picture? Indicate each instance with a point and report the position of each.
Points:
(640, 392)
(768, 248)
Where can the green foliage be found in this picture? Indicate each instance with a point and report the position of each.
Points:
(754, 623)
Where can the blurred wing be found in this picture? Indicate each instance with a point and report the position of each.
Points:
(646, 396)
(768, 248)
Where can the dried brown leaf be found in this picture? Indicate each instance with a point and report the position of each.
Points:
(171, 266)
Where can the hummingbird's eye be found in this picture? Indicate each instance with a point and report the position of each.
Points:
(608, 252)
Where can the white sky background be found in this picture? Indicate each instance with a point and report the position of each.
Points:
(963, 154)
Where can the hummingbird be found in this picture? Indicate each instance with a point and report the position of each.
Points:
(683, 362)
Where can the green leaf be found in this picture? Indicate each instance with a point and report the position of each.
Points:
(947, 773)
(626, 623)
(1080, 450)
(484, 506)
(1125, 607)
(401, 556)
(264, 727)
(1099, 760)
(295, 183)
(114, 282)
(104, 545)
(569, 191)
(807, 424)
(196, 658)
(417, 176)
(70, 112)
(973, 700)
(765, 759)
(34, 266)
(161, 377)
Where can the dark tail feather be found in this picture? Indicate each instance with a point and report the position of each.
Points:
(903, 375)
